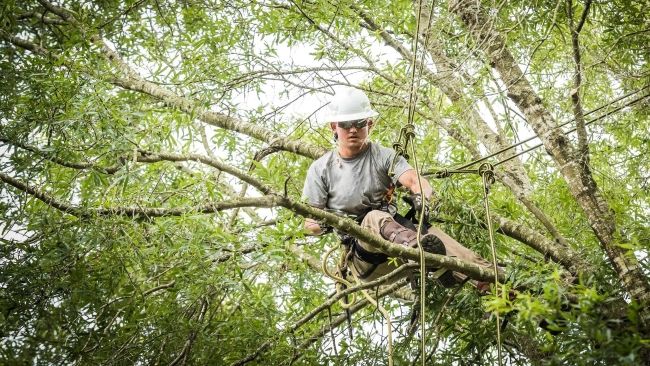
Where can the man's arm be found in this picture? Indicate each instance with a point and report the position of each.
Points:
(314, 193)
(409, 179)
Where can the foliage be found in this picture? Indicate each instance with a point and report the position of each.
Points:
(215, 287)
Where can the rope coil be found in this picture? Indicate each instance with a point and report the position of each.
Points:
(341, 282)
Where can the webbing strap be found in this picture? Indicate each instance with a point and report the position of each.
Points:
(367, 256)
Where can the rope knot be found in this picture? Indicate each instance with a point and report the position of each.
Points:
(487, 170)
(444, 173)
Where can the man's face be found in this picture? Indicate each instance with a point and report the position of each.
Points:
(352, 134)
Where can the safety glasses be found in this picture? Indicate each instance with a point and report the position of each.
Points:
(360, 123)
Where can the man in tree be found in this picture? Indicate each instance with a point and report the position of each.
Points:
(353, 180)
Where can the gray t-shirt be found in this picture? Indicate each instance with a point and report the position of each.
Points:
(355, 185)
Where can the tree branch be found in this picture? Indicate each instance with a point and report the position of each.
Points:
(143, 157)
(164, 286)
(583, 18)
(53, 158)
(129, 79)
(399, 251)
(343, 317)
(265, 201)
(569, 259)
(45, 198)
(580, 182)
(184, 354)
(336, 322)
(65, 14)
(582, 153)
(41, 17)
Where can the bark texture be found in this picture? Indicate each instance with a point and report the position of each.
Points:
(578, 177)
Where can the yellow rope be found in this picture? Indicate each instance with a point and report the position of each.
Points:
(338, 280)
(422, 262)
(386, 316)
(364, 292)
(488, 178)
(409, 133)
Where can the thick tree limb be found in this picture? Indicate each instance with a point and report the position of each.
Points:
(271, 200)
(579, 180)
(127, 78)
(265, 201)
(44, 197)
(40, 17)
(19, 42)
(578, 112)
(561, 255)
(350, 226)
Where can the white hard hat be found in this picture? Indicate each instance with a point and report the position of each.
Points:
(348, 104)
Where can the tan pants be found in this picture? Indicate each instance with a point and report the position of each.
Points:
(374, 221)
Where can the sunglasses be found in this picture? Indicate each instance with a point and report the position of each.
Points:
(360, 123)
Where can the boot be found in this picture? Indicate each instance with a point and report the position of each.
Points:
(392, 231)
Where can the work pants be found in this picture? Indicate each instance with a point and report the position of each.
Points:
(373, 222)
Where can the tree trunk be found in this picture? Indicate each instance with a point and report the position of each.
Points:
(578, 178)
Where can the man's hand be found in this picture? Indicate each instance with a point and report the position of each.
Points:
(313, 227)
(420, 204)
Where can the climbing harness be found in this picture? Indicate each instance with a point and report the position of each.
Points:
(352, 248)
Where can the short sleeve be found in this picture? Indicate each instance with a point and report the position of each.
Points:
(401, 165)
(314, 192)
